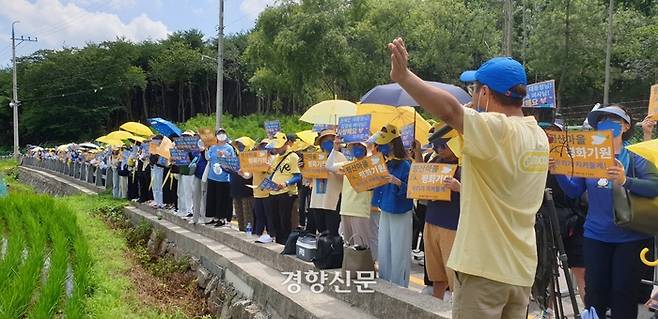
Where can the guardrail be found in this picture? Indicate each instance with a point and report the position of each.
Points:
(82, 171)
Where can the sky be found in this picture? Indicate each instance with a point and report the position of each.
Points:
(72, 23)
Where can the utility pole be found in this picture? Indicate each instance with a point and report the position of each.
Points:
(507, 10)
(15, 103)
(220, 67)
(608, 52)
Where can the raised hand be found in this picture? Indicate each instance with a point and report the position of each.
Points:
(399, 60)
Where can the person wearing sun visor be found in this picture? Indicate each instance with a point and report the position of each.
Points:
(504, 166)
(284, 171)
(613, 269)
(395, 224)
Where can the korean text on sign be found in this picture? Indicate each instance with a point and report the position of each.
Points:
(367, 173)
(230, 163)
(315, 165)
(179, 157)
(354, 128)
(582, 154)
(272, 127)
(255, 161)
(426, 181)
(188, 143)
(540, 94)
(407, 133)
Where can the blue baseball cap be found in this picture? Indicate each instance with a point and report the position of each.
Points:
(499, 74)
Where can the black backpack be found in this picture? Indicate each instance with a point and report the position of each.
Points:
(330, 252)
(291, 244)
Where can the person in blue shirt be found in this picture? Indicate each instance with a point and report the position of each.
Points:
(395, 224)
(219, 203)
(613, 267)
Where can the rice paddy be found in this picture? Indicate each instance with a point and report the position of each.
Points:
(44, 259)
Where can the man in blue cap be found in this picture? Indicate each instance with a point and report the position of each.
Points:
(505, 163)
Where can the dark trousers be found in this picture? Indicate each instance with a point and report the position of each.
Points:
(418, 226)
(219, 203)
(613, 273)
(133, 189)
(304, 198)
(326, 220)
(263, 220)
(143, 182)
(279, 208)
(170, 189)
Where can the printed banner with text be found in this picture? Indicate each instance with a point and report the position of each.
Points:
(540, 94)
(367, 173)
(354, 128)
(426, 181)
(582, 154)
(315, 165)
(254, 161)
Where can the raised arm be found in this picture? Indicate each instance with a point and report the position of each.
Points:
(434, 100)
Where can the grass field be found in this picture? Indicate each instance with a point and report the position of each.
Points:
(59, 259)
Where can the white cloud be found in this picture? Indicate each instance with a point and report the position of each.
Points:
(254, 7)
(55, 23)
(114, 4)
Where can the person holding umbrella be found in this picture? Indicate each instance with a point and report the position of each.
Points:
(505, 164)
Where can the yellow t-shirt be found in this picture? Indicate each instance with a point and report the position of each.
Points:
(285, 171)
(258, 178)
(505, 164)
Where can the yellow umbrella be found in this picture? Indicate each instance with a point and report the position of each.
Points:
(398, 116)
(648, 150)
(307, 136)
(247, 141)
(137, 138)
(137, 128)
(111, 141)
(119, 135)
(327, 112)
(63, 147)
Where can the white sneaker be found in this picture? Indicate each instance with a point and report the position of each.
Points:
(264, 239)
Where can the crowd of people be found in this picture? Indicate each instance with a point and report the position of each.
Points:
(479, 245)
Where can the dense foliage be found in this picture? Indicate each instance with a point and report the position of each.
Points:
(304, 51)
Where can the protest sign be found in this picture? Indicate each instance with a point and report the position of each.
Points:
(322, 127)
(153, 146)
(407, 134)
(653, 102)
(540, 94)
(581, 154)
(426, 181)
(354, 128)
(208, 137)
(315, 165)
(272, 127)
(367, 173)
(230, 163)
(267, 185)
(254, 161)
(188, 143)
(179, 157)
(164, 148)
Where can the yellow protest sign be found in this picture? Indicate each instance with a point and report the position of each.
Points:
(254, 161)
(164, 149)
(582, 154)
(208, 137)
(653, 102)
(315, 165)
(426, 181)
(153, 147)
(367, 173)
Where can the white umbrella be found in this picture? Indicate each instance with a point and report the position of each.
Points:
(89, 145)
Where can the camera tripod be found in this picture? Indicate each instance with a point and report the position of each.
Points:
(554, 260)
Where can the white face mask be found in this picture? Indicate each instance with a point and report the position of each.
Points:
(222, 137)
